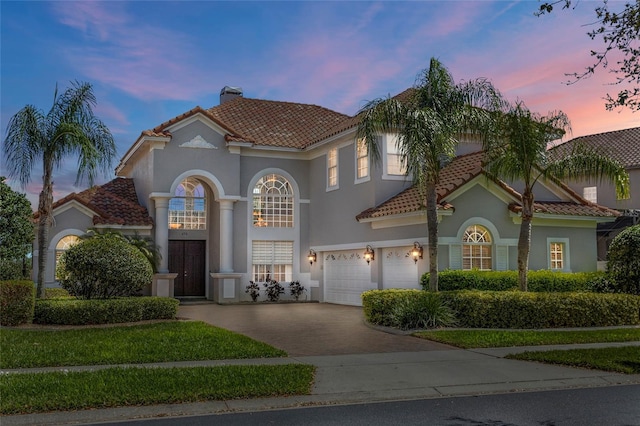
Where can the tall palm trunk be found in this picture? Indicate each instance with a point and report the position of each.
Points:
(44, 210)
(432, 232)
(524, 242)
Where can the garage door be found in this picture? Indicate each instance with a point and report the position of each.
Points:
(398, 268)
(346, 276)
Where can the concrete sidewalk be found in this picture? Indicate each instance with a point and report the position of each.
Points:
(371, 377)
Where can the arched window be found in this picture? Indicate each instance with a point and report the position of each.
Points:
(273, 202)
(187, 210)
(63, 245)
(476, 248)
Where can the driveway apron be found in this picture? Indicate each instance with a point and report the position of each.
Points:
(307, 329)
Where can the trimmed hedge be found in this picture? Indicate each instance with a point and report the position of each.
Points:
(539, 281)
(516, 309)
(17, 298)
(105, 311)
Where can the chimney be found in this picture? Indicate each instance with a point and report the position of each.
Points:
(228, 93)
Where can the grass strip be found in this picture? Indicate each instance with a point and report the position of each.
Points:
(114, 387)
(158, 342)
(505, 338)
(624, 359)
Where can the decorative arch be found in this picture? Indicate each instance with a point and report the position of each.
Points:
(477, 248)
(203, 176)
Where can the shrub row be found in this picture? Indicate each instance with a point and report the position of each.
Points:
(107, 311)
(514, 309)
(539, 281)
(17, 300)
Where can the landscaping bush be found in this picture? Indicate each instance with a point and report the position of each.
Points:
(17, 300)
(104, 267)
(106, 311)
(516, 309)
(539, 281)
(56, 293)
(406, 309)
(623, 261)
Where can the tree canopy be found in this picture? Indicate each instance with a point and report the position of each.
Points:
(620, 34)
(16, 232)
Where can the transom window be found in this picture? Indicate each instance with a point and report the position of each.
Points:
(63, 245)
(273, 202)
(556, 255)
(272, 260)
(362, 159)
(476, 248)
(187, 210)
(332, 168)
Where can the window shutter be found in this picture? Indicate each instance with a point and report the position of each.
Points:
(283, 253)
(262, 252)
(502, 258)
(455, 256)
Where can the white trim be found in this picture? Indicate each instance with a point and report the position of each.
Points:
(328, 167)
(358, 180)
(375, 244)
(203, 175)
(74, 204)
(199, 116)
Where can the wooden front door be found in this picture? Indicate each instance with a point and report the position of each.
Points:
(187, 259)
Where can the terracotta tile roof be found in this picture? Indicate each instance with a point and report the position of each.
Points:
(114, 203)
(622, 145)
(462, 170)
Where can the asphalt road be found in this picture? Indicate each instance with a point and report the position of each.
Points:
(606, 406)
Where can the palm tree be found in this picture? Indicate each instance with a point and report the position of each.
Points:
(69, 129)
(428, 125)
(518, 151)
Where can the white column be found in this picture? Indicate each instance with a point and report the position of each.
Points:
(226, 236)
(162, 232)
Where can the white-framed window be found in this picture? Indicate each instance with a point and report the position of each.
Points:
(63, 245)
(362, 160)
(332, 168)
(558, 254)
(273, 202)
(272, 260)
(590, 193)
(476, 248)
(187, 210)
(393, 157)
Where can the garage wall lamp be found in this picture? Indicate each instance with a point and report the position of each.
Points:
(416, 252)
(312, 256)
(369, 254)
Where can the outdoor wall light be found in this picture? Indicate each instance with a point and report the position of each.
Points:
(416, 252)
(369, 254)
(312, 256)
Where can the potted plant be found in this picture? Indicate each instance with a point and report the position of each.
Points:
(296, 289)
(254, 290)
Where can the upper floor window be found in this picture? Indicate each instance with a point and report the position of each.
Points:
(476, 248)
(394, 157)
(63, 245)
(590, 193)
(273, 202)
(362, 159)
(187, 210)
(332, 168)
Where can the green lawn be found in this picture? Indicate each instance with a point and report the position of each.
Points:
(159, 342)
(505, 338)
(622, 360)
(113, 387)
(137, 344)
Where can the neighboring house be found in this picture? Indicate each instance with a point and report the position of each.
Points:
(253, 187)
(624, 146)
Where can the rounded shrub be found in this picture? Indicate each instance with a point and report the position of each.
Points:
(623, 261)
(102, 268)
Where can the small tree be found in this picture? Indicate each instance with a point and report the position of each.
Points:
(105, 267)
(623, 266)
(16, 233)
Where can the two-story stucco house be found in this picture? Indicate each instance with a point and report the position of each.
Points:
(253, 187)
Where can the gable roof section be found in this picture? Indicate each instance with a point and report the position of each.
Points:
(462, 170)
(621, 145)
(114, 203)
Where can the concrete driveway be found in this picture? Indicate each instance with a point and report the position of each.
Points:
(307, 329)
